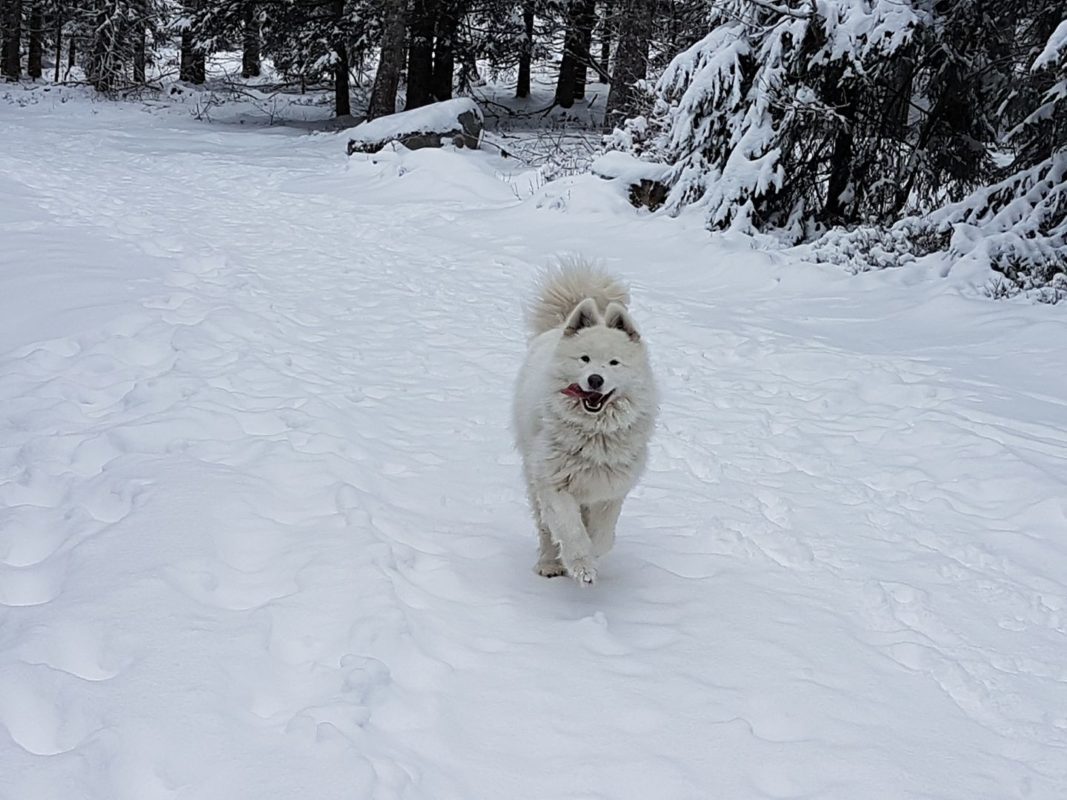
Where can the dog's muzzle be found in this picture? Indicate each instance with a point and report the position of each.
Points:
(592, 402)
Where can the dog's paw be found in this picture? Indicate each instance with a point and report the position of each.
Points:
(549, 569)
(583, 572)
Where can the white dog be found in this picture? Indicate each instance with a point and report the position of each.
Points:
(585, 406)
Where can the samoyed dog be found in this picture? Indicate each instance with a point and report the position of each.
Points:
(585, 405)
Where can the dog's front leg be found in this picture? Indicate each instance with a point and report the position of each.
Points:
(563, 515)
(601, 519)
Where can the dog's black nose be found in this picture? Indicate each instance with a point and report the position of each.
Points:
(594, 381)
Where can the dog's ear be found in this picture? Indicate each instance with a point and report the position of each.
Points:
(585, 315)
(618, 318)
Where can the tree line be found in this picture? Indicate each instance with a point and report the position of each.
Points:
(431, 48)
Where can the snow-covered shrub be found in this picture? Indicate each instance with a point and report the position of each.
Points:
(796, 117)
(869, 247)
(1017, 226)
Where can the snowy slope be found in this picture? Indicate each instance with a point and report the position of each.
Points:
(262, 533)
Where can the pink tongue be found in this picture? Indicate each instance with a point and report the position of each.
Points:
(574, 390)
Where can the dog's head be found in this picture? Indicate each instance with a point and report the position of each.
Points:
(601, 359)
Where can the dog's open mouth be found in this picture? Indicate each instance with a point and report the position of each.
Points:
(592, 402)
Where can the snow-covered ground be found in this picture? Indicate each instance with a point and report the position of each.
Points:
(262, 532)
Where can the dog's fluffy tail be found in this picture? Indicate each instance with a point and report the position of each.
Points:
(567, 283)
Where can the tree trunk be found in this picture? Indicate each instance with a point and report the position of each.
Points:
(59, 44)
(390, 61)
(193, 67)
(250, 59)
(185, 65)
(607, 24)
(33, 58)
(343, 98)
(585, 19)
(526, 53)
(631, 59)
(140, 53)
(342, 103)
(444, 54)
(568, 65)
(72, 54)
(835, 212)
(100, 67)
(140, 42)
(420, 54)
(11, 47)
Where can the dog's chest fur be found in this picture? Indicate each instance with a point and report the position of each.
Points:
(594, 465)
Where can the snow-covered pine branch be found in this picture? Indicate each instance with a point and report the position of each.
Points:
(767, 122)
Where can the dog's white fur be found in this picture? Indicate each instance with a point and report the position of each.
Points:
(579, 465)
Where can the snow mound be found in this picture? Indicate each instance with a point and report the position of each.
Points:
(617, 164)
(460, 117)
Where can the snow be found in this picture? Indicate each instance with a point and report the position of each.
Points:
(435, 118)
(262, 532)
(615, 164)
(1056, 43)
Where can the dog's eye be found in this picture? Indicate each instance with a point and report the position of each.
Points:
(585, 359)
(614, 362)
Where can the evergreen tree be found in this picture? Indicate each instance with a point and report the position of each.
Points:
(316, 40)
(116, 32)
(11, 39)
(1017, 225)
(798, 117)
